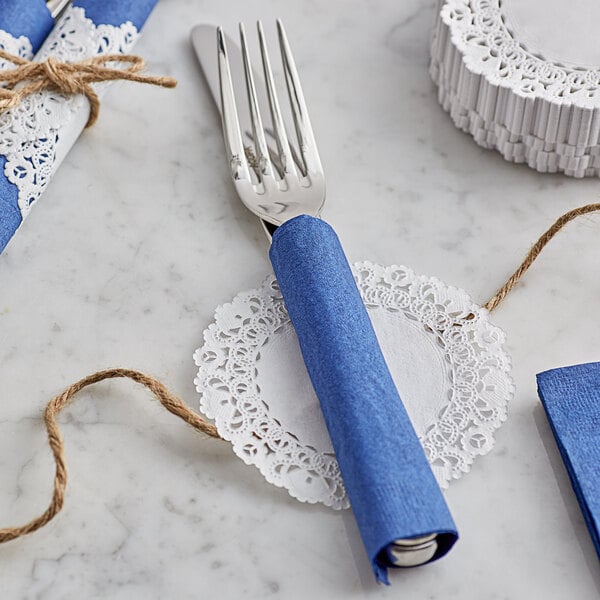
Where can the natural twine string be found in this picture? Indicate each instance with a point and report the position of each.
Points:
(534, 252)
(55, 440)
(70, 78)
(179, 409)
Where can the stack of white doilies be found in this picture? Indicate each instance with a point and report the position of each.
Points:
(515, 74)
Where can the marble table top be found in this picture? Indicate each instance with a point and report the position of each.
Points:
(140, 236)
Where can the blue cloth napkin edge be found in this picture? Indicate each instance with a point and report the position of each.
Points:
(592, 522)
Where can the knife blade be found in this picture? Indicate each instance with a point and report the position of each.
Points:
(56, 7)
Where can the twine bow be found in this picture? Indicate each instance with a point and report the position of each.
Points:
(71, 78)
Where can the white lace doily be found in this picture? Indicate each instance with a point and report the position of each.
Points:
(37, 134)
(446, 359)
(511, 74)
(20, 46)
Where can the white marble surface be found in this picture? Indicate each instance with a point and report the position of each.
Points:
(140, 236)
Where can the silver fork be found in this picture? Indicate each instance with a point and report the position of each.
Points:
(298, 185)
(338, 343)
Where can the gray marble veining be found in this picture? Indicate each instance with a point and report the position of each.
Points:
(138, 239)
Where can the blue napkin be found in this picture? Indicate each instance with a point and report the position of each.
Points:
(117, 12)
(571, 399)
(29, 18)
(391, 487)
(32, 18)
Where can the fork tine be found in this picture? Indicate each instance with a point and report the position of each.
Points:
(304, 131)
(231, 125)
(275, 158)
(287, 159)
(262, 151)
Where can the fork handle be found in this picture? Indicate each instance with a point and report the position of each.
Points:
(393, 492)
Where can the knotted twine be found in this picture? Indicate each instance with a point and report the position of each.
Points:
(71, 78)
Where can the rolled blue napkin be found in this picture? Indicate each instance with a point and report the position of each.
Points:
(27, 18)
(571, 399)
(117, 12)
(22, 181)
(19, 19)
(392, 490)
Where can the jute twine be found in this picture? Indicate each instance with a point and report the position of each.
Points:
(534, 252)
(169, 401)
(76, 78)
(70, 78)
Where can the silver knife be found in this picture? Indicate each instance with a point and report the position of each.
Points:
(56, 7)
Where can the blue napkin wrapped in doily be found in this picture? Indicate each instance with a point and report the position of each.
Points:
(37, 135)
(24, 25)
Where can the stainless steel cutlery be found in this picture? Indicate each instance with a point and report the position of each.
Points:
(277, 173)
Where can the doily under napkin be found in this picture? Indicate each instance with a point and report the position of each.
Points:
(445, 356)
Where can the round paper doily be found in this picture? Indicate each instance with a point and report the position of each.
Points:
(523, 77)
(446, 359)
